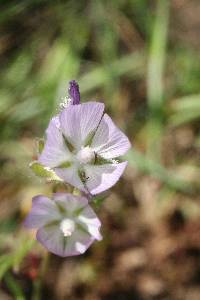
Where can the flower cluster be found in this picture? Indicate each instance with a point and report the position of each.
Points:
(82, 149)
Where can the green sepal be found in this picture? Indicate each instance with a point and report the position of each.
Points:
(98, 200)
(42, 171)
(66, 164)
(40, 145)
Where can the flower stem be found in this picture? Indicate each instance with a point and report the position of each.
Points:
(37, 290)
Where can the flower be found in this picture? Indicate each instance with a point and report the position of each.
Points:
(82, 147)
(66, 225)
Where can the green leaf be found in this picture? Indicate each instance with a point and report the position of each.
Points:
(184, 110)
(148, 166)
(14, 258)
(155, 79)
(132, 64)
(14, 287)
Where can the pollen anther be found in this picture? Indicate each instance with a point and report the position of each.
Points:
(67, 226)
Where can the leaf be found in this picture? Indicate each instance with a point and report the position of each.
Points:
(14, 258)
(156, 170)
(133, 64)
(155, 82)
(184, 110)
(14, 286)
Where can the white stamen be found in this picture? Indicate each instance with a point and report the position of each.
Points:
(65, 103)
(85, 155)
(67, 226)
(114, 161)
(47, 169)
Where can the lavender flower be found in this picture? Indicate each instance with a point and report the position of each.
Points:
(66, 225)
(83, 145)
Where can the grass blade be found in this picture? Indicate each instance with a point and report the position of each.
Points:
(155, 88)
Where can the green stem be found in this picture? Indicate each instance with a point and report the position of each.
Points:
(14, 287)
(37, 293)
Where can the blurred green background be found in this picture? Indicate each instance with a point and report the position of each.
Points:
(141, 58)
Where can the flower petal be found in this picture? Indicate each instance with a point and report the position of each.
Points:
(82, 241)
(53, 239)
(80, 121)
(70, 175)
(90, 222)
(43, 211)
(70, 202)
(55, 151)
(109, 141)
(102, 177)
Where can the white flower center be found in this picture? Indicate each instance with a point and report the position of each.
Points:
(85, 155)
(67, 226)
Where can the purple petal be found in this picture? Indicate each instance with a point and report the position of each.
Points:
(70, 202)
(70, 175)
(90, 222)
(78, 122)
(55, 151)
(43, 211)
(82, 241)
(109, 142)
(74, 92)
(102, 177)
(53, 239)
